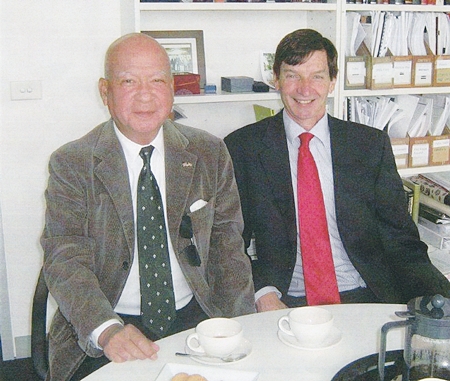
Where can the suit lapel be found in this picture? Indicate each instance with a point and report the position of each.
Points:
(180, 169)
(274, 159)
(340, 155)
(111, 170)
(343, 171)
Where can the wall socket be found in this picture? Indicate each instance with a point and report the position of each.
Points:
(24, 90)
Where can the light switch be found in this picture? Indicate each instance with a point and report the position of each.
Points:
(24, 90)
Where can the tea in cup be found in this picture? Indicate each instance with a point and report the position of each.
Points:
(309, 325)
(216, 337)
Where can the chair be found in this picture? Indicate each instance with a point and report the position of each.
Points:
(39, 343)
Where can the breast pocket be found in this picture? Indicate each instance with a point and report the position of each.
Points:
(202, 224)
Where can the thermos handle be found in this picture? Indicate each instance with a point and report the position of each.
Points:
(382, 355)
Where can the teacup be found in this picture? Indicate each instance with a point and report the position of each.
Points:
(309, 325)
(216, 337)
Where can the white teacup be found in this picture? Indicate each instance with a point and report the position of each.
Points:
(216, 337)
(309, 325)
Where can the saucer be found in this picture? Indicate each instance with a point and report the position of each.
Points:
(334, 338)
(244, 347)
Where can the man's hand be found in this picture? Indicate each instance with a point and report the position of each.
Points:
(126, 343)
(269, 302)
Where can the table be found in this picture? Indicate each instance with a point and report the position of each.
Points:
(359, 324)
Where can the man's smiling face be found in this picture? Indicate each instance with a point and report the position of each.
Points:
(304, 89)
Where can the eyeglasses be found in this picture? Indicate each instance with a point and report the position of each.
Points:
(191, 250)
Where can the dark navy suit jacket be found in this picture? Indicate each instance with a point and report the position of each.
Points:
(378, 234)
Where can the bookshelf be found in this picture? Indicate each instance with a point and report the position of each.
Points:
(430, 169)
(234, 35)
(428, 90)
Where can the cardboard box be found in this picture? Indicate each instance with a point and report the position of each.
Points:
(419, 151)
(238, 84)
(186, 83)
(355, 72)
(400, 147)
(381, 72)
(441, 70)
(423, 67)
(379, 69)
(402, 71)
(440, 150)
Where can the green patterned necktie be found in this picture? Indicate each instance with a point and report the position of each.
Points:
(157, 297)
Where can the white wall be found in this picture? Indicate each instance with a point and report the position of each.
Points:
(60, 43)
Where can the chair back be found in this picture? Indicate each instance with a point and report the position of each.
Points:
(39, 342)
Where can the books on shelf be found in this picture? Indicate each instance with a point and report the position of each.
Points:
(432, 188)
(434, 222)
(412, 191)
(442, 178)
(431, 202)
(434, 216)
(400, 49)
(403, 115)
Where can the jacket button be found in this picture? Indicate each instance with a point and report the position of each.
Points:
(125, 265)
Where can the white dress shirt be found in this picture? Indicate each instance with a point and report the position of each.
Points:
(130, 299)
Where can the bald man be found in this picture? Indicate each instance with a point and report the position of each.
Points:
(90, 241)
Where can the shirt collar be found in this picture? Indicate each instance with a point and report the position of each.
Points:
(132, 149)
(293, 129)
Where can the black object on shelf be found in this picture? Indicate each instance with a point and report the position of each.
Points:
(260, 87)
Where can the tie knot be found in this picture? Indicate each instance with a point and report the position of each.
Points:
(146, 153)
(305, 137)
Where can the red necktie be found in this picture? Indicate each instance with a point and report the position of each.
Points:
(318, 267)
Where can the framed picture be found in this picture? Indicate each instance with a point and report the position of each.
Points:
(266, 61)
(185, 49)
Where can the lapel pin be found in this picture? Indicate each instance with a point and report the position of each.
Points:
(187, 164)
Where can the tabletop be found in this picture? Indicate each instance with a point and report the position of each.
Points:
(358, 326)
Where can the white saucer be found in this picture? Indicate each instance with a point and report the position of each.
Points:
(244, 347)
(334, 338)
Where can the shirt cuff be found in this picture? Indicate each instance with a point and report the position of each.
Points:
(98, 331)
(266, 290)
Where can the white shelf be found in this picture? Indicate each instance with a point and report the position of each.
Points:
(226, 97)
(430, 169)
(396, 91)
(268, 6)
(395, 8)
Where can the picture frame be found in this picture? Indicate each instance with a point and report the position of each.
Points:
(266, 61)
(185, 49)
